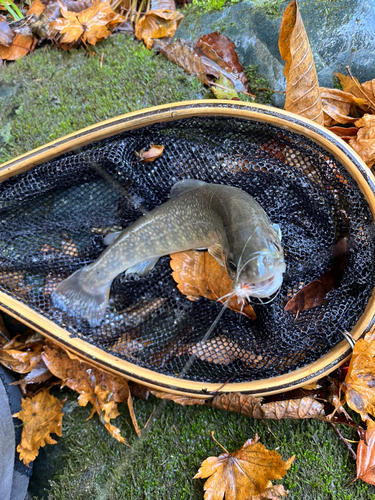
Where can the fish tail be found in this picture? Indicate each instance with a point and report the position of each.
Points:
(76, 297)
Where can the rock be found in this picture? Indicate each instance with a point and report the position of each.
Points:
(341, 33)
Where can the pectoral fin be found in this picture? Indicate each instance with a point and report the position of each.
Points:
(110, 238)
(143, 267)
(217, 253)
(185, 186)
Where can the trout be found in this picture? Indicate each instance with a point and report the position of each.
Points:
(225, 220)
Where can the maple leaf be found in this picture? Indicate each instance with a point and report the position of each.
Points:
(366, 456)
(41, 416)
(359, 382)
(22, 353)
(157, 23)
(21, 45)
(90, 25)
(242, 474)
(102, 389)
(364, 143)
(198, 274)
(302, 91)
(151, 154)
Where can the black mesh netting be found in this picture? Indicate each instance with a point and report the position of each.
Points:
(53, 219)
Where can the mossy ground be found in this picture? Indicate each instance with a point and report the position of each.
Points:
(49, 94)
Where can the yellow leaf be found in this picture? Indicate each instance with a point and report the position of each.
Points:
(364, 90)
(22, 353)
(157, 24)
(302, 91)
(42, 416)
(242, 474)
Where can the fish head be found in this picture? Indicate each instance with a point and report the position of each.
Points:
(257, 271)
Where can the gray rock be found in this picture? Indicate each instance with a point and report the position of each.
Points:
(341, 33)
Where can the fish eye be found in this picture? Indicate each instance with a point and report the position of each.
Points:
(232, 266)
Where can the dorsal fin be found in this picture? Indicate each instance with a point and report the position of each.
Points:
(184, 186)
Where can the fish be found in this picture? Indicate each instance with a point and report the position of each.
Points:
(222, 219)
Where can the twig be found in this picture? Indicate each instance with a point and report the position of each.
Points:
(341, 437)
(359, 86)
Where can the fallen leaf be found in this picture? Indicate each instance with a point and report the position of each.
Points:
(339, 106)
(38, 375)
(224, 89)
(177, 398)
(40, 26)
(6, 34)
(157, 24)
(151, 154)
(198, 274)
(219, 56)
(271, 493)
(364, 143)
(90, 25)
(42, 416)
(21, 45)
(359, 383)
(242, 474)
(314, 294)
(183, 54)
(345, 133)
(366, 457)
(37, 8)
(364, 90)
(22, 353)
(302, 91)
(102, 389)
(251, 406)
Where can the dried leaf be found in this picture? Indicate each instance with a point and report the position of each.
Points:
(6, 34)
(42, 416)
(364, 91)
(21, 45)
(219, 56)
(345, 133)
(364, 143)
(102, 389)
(242, 474)
(22, 353)
(37, 8)
(151, 154)
(38, 375)
(157, 24)
(225, 90)
(338, 105)
(366, 457)
(90, 25)
(198, 274)
(314, 294)
(251, 406)
(271, 493)
(359, 382)
(41, 26)
(302, 91)
(177, 398)
(182, 53)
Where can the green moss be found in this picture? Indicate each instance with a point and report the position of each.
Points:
(212, 5)
(256, 82)
(52, 93)
(272, 8)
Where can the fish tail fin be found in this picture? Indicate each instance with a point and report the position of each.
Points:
(77, 298)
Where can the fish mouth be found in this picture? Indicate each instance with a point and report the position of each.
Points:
(261, 289)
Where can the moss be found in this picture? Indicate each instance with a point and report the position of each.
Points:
(212, 5)
(52, 93)
(256, 82)
(271, 8)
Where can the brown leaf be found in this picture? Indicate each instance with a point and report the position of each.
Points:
(157, 24)
(198, 274)
(364, 91)
(38, 375)
(346, 133)
(359, 382)
(22, 353)
(21, 45)
(40, 27)
(219, 56)
(90, 25)
(42, 416)
(242, 474)
(6, 34)
(302, 91)
(338, 105)
(366, 457)
(271, 493)
(102, 389)
(37, 8)
(314, 294)
(251, 406)
(364, 143)
(182, 53)
(151, 154)
(177, 398)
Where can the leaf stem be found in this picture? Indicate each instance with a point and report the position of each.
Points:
(217, 442)
(345, 441)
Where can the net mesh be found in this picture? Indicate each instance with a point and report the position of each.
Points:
(55, 216)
